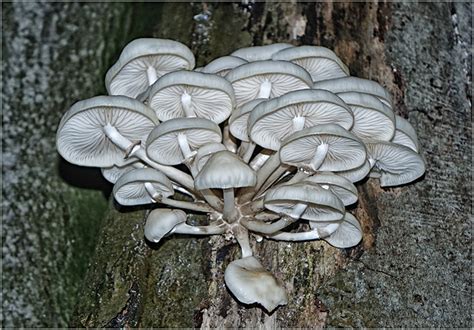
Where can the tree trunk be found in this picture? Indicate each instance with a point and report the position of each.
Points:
(412, 268)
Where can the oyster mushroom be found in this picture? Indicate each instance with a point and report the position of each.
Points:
(348, 233)
(405, 134)
(260, 53)
(143, 61)
(192, 94)
(339, 186)
(250, 283)
(222, 65)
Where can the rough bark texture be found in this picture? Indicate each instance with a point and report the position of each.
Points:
(54, 54)
(413, 266)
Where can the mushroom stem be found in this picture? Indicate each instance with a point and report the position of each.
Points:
(246, 150)
(265, 90)
(278, 174)
(252, 207)
(187, 105)
(151, 75)
(266, 228)
(298, 210)
(229, 205)
(212, 229)
(123, 143)
(298, 123)
(242, 236)
(299, 176)
(184, 146)
(319, 156)
(228, 142)
(306, 236)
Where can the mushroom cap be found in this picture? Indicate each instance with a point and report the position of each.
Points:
(163, 146)
(373, 120)
(222, 65)
(405, 134)
(339, 186)
(260, 53)
(161, 222)
(238, 121)
(81, 139)
(321, 62)
(271, 121)
(205, 152)
(284, 77)
(212, 97)
(225, 170)
(322, 204)
(128, 76)
(397, 164)
(354, 84)
(356, 174)
(345, 151)
(112, 174)
(130, 188)
(250, 283)
(348, 234)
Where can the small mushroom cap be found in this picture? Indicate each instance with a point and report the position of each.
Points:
(373, 120)
(260, 53)
(222, 65)
(81, 139)
(163, 146)
(405, 134)
(225, 170)
(345, 150)
(205, 152)
(238, 121)
(284, 77)
(397, 164)
(250, 283)
(348, 234)
(161, 222)
(356, 174)
(271, 121)
(322, 204)
(339, 186)
(130, 188)
(322, 63)
(354, 84)
(112, 174)
(128, 76)
(212, 97)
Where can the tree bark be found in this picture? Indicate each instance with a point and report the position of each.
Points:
(412, 268)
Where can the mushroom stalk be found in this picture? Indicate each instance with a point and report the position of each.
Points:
(299, 176)
(184, 146)
(229, 204)
(298, 210)
(187, 105)
(242, 236)
(266, 228)
(265, 90)
(212, 229)
(298, 123)
(279, 173)
(306, 236)
(252, 207)
(319, 156)
(151, 75)
(227, 140)
(246, 150)
(123, 143)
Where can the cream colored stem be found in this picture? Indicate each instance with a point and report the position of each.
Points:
(151, 75)
(242, 236)
(187, 105)
(229, 205)
(267, 228)
(298, 123)
(298, 177)
(319, 156)
(306, 236)
(246, 150)
(227, 140)
(199, 207)
(278, 174)
(265, 90)
(212, 229)
(298, 210)
(184, 146)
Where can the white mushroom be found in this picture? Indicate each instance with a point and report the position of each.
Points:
(260, 53)
(348, 233)
(339, 186)
(222, 65)
(405, 134)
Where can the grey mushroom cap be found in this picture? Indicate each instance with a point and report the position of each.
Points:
(112, 174)
(238, 121)
(348, 234)
(162, 222)
(250, 283)
(354, 84)
(322, 204)
(222, 65)
(272, 121)
(260, 53)
(356, 174)
(322, 63)
(225, 170)
(345, 150)
(128, 76)
(283, 76)
(162, 145)
(81, 139)
(373, 120)
(211, 96)
(130, 188)
(339, 186)
(405, 134)
(205, 152)
(396, 164)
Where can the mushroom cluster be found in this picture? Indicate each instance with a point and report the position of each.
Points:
(268, 140)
